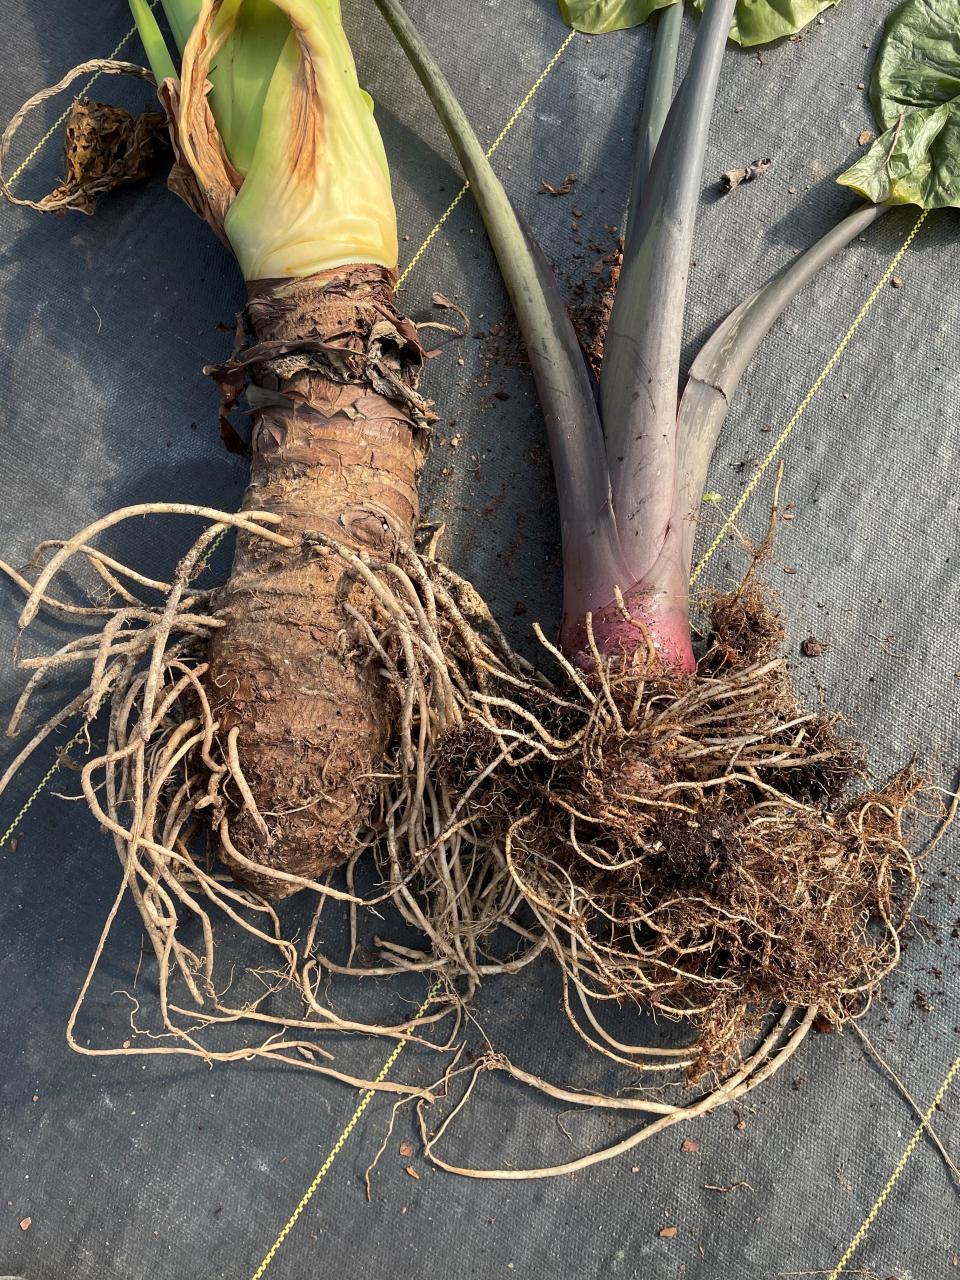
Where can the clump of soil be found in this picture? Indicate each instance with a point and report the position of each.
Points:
(744, 627)
(591, 302)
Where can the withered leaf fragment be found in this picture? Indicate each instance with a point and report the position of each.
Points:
(564, 189)
(734, 177)
(106, 147)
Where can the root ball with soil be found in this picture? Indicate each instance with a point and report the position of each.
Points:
(702, 845)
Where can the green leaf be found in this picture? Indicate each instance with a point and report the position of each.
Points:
(243, 69)
(916, 163)
(756, 21)
(599, 16)
(915, 91)
(760, 21)
(154, 45)
(918, 64)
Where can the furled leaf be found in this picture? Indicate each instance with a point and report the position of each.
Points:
(756, 21)
(315, 193)
(243, 70)
(915, 91)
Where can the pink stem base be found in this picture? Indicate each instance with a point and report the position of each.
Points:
(655, 617)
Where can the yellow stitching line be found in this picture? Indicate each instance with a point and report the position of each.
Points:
(42, 784)
(338, 1145)
(84, 90)
(525, 102)
(901, 1165)
(807, 400)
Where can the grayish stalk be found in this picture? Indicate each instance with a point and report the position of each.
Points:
(590, 538)
(640, 374)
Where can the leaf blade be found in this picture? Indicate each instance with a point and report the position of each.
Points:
(918, 62)
(598, 17)
(915, 92)
(916, 163)
(755, 22)
(761, 21)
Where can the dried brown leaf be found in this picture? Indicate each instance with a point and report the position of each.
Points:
(563, 189)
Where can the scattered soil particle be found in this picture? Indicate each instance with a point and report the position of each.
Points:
(867, 136)
(812, 647)
(588, 292)
(688, 1145)
(406, 1149)
(896, 283)
(493, 504)
(667, 1233)
(922, 1001)
(591, 303)
(26, 1224)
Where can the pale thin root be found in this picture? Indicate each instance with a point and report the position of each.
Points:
(486, 896)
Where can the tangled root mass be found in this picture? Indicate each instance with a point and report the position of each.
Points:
(693, 844)
(690, 845)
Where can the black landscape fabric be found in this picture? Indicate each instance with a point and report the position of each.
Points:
(163, 1167)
